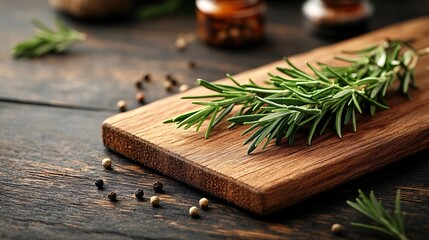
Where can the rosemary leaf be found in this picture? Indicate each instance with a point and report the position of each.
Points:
(47, 40)
(392, 225)
(301, 100)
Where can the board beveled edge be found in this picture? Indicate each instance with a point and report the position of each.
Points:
(176, 167)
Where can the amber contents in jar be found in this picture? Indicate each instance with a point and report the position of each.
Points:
(338, 17)
(231, 23)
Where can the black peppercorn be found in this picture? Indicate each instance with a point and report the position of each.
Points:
(172, 79)
(146, 77)
(139, 193)
(112, 196)
(139, 85)
(192, 64)
(157, 186)
(99, 183)
(168, 85)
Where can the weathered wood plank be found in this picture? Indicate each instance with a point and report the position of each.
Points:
(50, 158)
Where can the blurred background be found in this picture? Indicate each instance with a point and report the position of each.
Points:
(189, 39)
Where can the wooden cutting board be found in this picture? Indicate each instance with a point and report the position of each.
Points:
(269, 180)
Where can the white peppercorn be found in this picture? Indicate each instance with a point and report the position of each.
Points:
(107, 163)
(154, 200)
(193, 211)
(181, 43)
(122, 106)
(183, 88)
(337, 228)
(168, 85)
(204, 203)
(140, 97)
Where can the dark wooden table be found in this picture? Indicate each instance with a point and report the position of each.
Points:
(51, 111)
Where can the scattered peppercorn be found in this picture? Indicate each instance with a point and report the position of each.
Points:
(181, 43)
(337, 228)
(140, 97)
(192, 64)
(168, 85)
(171, 78)
(139, 193)
(204, 203)
(112, 196)
(107, 163)
(139, 85)
(157, 186)
(146, 77)
(183, 88)
(154, 200)
(99, 183)
(193, 211)
(122, 106)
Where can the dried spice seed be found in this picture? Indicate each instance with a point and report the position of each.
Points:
(112, 196)
(181, 43)
(171, 78)
(140, 97)
(337, 228)
(139, 193)
(122, 105)
(193, 211)
(107, 163)
(157, 186)
(99, 183)
(154, 200)
(192, 64)
(139, 85)
(168, 85)
(183, 88)
(204, 203)
(146, 77)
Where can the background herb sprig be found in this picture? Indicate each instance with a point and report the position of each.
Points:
(390, 224)
(46, 40)
(331, 96)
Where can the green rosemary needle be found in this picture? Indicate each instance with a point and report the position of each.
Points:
(390, 224)
(47, 40)
(293, 100)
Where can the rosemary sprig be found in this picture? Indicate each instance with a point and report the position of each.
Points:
(390, 224)
(165, 8)
(47, 40)
(331, 96)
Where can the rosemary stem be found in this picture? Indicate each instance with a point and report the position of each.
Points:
(321, 97)
(423, 51)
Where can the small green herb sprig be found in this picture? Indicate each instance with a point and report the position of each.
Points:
(390, 224)
(47, 40)
(296, 100)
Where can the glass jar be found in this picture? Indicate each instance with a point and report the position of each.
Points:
(231, 23)
(338, 17)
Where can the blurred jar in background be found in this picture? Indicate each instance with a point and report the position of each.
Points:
(338, 18)
(231, 23)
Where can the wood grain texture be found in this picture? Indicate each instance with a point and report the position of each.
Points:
(280, 176)
(49, 161)
(50, 156)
